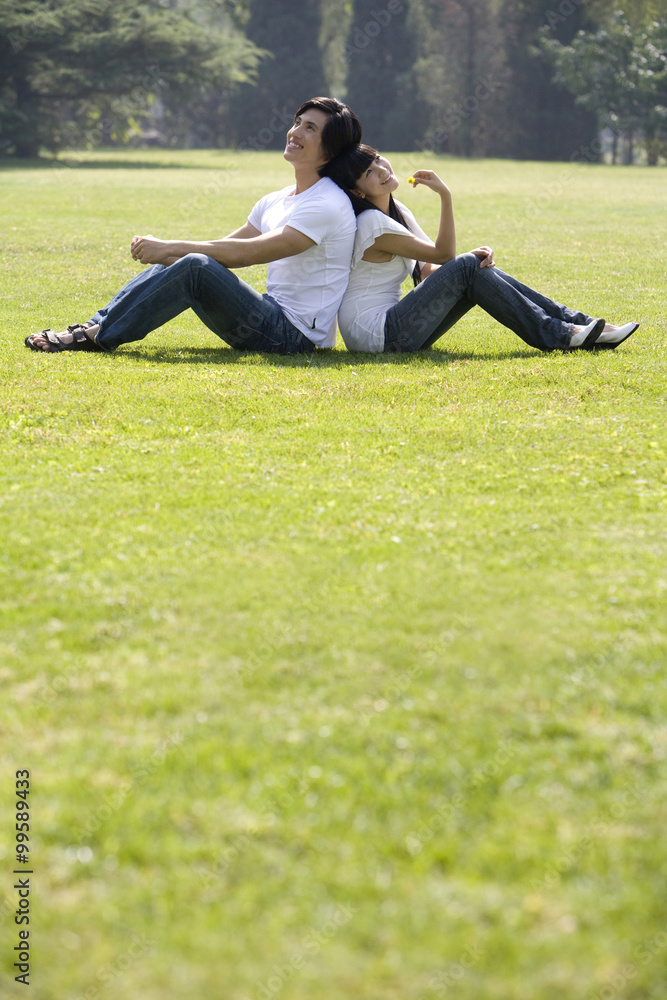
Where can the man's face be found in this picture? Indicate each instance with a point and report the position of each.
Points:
(304, 139)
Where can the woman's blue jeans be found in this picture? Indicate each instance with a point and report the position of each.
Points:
(239, 315)
(438, 302)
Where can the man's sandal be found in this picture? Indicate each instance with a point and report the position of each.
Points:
(72, 339)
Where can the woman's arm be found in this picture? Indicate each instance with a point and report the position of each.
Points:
(446, 238)
(485, 255)
(411, 246)
(427, 269)
(444, 248)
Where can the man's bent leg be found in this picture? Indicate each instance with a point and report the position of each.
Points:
(242, 317)
(145, 303)
(228, 306)
(130, 288)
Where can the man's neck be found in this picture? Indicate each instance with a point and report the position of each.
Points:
(305, 178)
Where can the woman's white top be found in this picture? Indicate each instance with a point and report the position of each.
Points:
(374, 288)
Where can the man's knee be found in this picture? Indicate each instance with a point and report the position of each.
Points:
(197, 260)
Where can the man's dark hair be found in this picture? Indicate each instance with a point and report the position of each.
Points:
(346, 168)
(342, 129)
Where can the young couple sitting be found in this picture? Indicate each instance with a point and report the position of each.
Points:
(338, 248)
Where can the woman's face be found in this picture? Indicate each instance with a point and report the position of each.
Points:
(377, 181)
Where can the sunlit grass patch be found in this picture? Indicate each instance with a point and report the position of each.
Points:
(341, 675)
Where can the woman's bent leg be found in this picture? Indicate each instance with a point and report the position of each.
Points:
(228, 306)
(456, 313)
(424, 314)
(551, 308)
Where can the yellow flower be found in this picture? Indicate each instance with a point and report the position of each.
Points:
(411, 180)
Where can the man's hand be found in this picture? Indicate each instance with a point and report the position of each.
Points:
(151, 250)
(232, 251)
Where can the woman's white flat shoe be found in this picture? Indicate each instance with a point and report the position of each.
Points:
(587, 336)
(584, 340)
(613, 338)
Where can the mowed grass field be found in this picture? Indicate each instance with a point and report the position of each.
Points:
(344, 675)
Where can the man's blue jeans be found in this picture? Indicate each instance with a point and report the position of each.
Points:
(438, 302)
(239, 315)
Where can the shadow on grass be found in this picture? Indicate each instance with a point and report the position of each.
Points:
(320, 359)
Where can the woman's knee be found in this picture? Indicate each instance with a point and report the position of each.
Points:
(470, 259)
(463, 263)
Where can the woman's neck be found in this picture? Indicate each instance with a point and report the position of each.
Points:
(382, 202)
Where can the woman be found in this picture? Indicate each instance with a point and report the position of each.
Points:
(373, 317)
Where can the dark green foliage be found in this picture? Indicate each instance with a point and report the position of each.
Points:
(66, 62)
(524, 79)
(542, 120)
(619, 73)
(290, 32)
(461, 76)
(381, 52)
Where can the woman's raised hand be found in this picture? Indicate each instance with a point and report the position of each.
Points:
(429, 179)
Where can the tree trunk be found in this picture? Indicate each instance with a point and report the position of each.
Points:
(27, 149)
(652, 147)
(470, 75)
(26, 143)
(106, 125)
(628, 148)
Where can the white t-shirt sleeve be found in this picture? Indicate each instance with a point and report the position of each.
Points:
(371, 224)
(316, 219)
(255, 217)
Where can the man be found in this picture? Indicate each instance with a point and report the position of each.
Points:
(304, 232)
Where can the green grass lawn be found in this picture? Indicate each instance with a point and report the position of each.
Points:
(344, 675)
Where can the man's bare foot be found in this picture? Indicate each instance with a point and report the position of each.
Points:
(66, 340)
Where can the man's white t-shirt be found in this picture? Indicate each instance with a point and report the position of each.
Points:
(309, 286)
(374, 288)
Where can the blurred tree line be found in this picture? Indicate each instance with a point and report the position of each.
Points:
(526, 79)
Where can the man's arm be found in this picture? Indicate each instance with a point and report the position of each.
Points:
(246, 232)
(233, 251)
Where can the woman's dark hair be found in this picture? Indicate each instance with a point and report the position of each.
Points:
(346, 169)
(342, 129)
